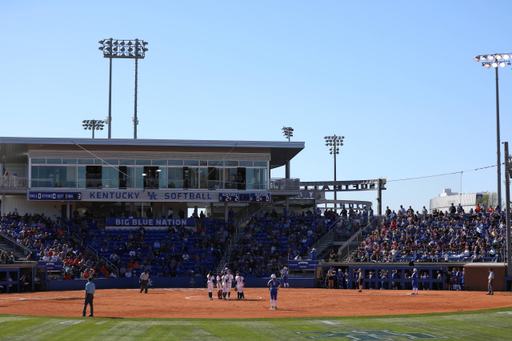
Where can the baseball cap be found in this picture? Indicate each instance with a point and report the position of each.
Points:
(272, 276)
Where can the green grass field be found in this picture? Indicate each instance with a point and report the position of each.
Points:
(494, 324)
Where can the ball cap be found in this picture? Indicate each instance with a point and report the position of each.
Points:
(272, 276)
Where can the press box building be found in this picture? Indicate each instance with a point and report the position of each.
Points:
(57, 176)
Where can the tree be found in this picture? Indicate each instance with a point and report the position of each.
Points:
(489, 200)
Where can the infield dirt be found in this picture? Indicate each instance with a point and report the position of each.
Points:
(194, 303)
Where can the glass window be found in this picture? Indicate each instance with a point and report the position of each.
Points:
(245, 163)
(69, 161)
(175, 162)
(64, 177)
(110, 177)
(127, 162)
(191, 163)
(38, 161)
(231, 177)
(139, 178)
(215, 178)
(260, 163)
(256, 178)
(191, 177)
(34, 177)
(159, 162)
(143, 162)
(203, 163)
(162, 179)
(85, 161)
(231, 163)
(111, 162)
(215, 163)
(54, 161)
(175, 178)
(98, 162)
(93, 176)
(126, 177)
(81, 177)
(203, 177)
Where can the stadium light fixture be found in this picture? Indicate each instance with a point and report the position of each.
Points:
(93, 125)
(288, 133)
(497, 60)
(116, 48)
(334, 142)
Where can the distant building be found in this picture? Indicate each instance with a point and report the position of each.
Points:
(447, 198)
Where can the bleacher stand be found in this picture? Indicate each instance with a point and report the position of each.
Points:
(409, 236)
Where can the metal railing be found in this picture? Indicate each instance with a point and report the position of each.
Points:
(345, 250)
(13, 182)
(15, 244)
(285, 184)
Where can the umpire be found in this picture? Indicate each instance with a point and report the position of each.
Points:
(90, 288)
(143, 281)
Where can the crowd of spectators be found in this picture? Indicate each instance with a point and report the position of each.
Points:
(50, 241)
(271, 239)
(175, 252)
(453, 235)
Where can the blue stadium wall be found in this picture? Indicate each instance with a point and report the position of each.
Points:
(166, 282)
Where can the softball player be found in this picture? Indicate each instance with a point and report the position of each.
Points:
(414, 278)
(240, 283)
(274, 285)
(284, 277)
(228, 279)
(209, 280)
(219, 286)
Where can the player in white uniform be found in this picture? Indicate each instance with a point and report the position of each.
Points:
(228, 279)
(240, 283)
(220, 285)
(209, 280)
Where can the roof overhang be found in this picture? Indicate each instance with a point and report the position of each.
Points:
(16, 148)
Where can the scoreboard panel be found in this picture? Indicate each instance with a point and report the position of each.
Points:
(244, 197)
(61, 196)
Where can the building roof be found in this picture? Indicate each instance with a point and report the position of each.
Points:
(16, 149)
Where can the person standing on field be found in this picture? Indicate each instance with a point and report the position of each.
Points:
(90, 288)
(143, 281)
(490, 279)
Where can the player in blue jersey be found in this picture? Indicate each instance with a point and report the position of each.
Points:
(340, 279)
(274, 285)
(459, 279)
(454, 279)
(414, 278)
(394, 276)
(284, 277)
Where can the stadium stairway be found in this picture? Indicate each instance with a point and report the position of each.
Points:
(7, 245)
(323, 245)
(239, 232)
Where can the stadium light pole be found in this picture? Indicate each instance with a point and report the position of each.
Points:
(334, 142)
(496, 60)
(288, 133)
(508, 175)
(93, 125)
(124, 49)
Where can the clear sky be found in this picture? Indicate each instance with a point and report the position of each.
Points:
(396, 78)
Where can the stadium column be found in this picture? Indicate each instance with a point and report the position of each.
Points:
(226, 212)
(3, 203)
(379, 198)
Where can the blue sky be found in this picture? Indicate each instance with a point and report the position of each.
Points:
(396, 78)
